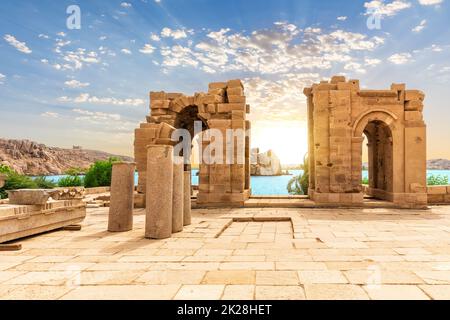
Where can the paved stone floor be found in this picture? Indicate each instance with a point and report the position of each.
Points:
(241, 254)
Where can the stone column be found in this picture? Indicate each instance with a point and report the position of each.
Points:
(178, 195)
(187, 198)
(159, 192)
(122, 197)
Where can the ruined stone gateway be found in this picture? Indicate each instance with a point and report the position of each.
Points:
(223, 107)
(339, 114)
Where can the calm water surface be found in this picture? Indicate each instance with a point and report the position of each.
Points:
(272, 185)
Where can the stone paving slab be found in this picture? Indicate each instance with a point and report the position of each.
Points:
(247, 253)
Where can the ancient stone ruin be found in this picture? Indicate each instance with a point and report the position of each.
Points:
(30, 212)
(339, 114)
(223, 107)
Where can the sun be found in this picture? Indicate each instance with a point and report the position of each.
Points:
(288, 139)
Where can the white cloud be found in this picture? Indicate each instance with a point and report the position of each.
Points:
(155, 37)
(175, 34)
(87, 98)
(386, 9)
(61, 34)
(436, 48)
(372, 62)
(342, 18)
(125, 51)
(95, 116)
(21, 46)
(147, 49)
(43, 36)
(103, 38)
(420, 27)
(75, 60)
(61, 43)
(355, 67)
(2, 78)
(430, 2)
(400, 58)
(284, 48)
(178, 56)
(76, 84)
(281, 98)
(49, 114)
(126, 5)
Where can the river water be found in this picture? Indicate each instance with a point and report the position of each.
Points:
(273, 185)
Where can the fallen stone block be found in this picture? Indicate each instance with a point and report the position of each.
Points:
(28, 197)
(18, 221)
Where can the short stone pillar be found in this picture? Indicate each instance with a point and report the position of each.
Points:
(178, 195)
(122, 197)
(159, 192)
(187, 198)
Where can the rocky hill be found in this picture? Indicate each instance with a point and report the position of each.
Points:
(31, 158)
(438, 164)
(265, 164)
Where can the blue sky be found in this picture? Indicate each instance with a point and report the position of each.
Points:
(90, 86)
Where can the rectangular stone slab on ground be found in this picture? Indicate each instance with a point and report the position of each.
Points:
(17, 221)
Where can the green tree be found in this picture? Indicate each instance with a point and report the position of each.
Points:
(365, 181)
(44, 183)
(299, 185)
(99, 174)
(15, 181)
(71, 181)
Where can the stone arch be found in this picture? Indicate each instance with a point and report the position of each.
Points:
(381, 115)
(223, 107)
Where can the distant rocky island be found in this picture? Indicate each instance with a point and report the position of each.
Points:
(433, 164)
(265, 163)
(31, 158)
(438, 164)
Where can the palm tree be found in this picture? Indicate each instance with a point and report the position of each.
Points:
(299, 185)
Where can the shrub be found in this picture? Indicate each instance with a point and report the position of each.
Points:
(44, 183)
(5, 169)
(71, 181)
(299, 185)
(437, 180)
(15, 181)
(365, 181)
(99, 174)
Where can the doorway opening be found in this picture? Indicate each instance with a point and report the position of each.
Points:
(379, 161)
